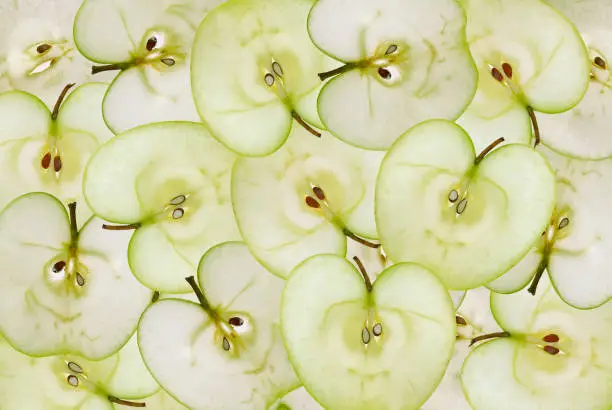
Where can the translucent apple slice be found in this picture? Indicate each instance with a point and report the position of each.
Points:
(254, 71)
(298, 399)
(305, 199)
(552, 357)
(64, 290)
(469, 218)
(149, 44)
(403, 64)
(162, 401)
(231, 338)
(170, 182)
(385, 345)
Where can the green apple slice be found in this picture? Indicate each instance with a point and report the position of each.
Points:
(149, 44)
(160, 401)
(403, 64)
(64, 290)
(298, 399)
(231, 338)
(47, 151)
(544, 65)
(305, 199)
(468, 218)
(170, 182)
(385, 345)
(553, 356)
(253, 72)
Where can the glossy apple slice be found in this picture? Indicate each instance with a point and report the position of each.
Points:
(550, 356)
(467, 217)
(171, 182)
(403, 64)
(149, 44)
(64, 290)
(42, 150)
(253, 73)
(305, 199)
(231, 338)
(385, 345)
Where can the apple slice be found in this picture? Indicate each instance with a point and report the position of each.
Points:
(64, 290)
(161, 401)
(231, 338)
(47, 151)
(543, 66)
(468, 218)
(385, 345)
(298, 399)
(254, 72)
(551, 356)
(305, 199)
(149, 44)
(171, 182)
(403, 63)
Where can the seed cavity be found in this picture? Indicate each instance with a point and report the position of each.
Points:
(599, 62)
(57, 163)
(168, 61)
(72, 380)
(377, 329)
(278, 70)
(507, 68)
(236, 321)
(177, 200)
(497, 74)
(151, 43)
(563, 223)
(453, 196)
(226, 344)
(384, 73)
(391, 49)
(178, 213)
(58, 266)
(43, 48)
(269, 79)
(461, 206)
(365, 336)
(551, 338)
(551, 350)
(75, 367)
(311, 202)
(319, 193)
(80, 280)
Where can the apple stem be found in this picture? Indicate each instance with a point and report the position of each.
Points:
(117, 400)
(364, 273)
(360, 240)
(199, 294)
(60, 99)
(305, 125)
(340, 70)
(534, 124)
(538, 275)
(127, 227)
(74, 231)
(110, 67)
(155, 296)
(488, 336)
(488, 149)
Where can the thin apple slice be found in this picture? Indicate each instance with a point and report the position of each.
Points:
(519, 276)
(161, 401)
(170, 182)
(553, 356)
(231, 338)
(298, 399)
(254, 70)
(403, 64)
(385, 345)
(468, 218)
(305, 199)
(64, 290)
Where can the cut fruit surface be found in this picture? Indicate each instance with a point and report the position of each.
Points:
(467, 218)
(171, 180)
(253, 70)
(196, 351)
(296, 202)
(404, 63)
(385, 348)
(298, 399)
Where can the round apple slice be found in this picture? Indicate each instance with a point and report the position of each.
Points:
(170, 182)
(231, 338)
(552, 356)
(64, 290)
(403, 64)
(468, 218)
(305, 199)
(254, 71)
(385, 345)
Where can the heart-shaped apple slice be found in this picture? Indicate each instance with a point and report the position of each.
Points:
(467, 217)
(231, 338)
(385, 345)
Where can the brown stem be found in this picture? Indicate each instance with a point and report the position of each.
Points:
(538, 275)
(199, 293)
(488, 336)
(488, 149)
(59, 101)
(110, 67)
(364, 273)
(340, 70)
(117, 400)
(127, 227)
(360, 240)
(306, 126)
(534, 124)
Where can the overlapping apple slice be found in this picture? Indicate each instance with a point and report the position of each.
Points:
(467, 217)
(403, 63)
(231, 338)
(385, 344)
(305, 199)
(64, 290)
(528, 54)
(150, 44)
(550, 356)
(575, 246)
(171, 182)
(42, 150)
(298, 399)
(254, 73)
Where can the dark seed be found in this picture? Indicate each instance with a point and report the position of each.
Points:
(57, 163)
(551, 350)
(319, 193)
(151, 43)
(43, 48)
(384, 73)
(599, 62)
(507, 70)
(460, 321)
(236, 321)
(46, 161)
(551, 338)
(497, 75)
(311, 202)
(59, 266)
(168, 61)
